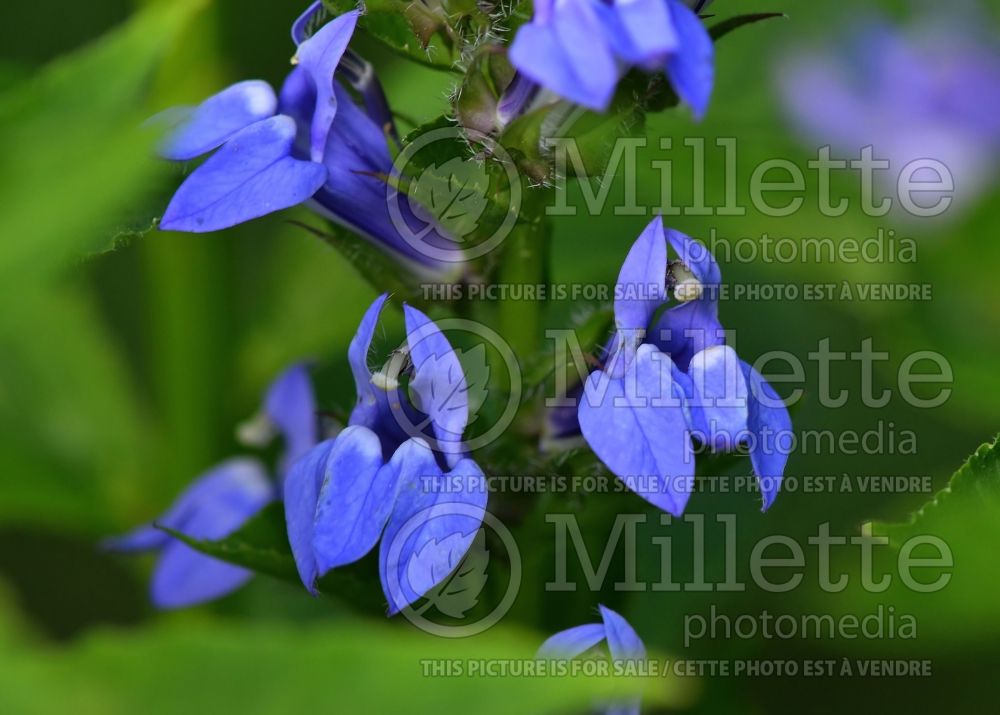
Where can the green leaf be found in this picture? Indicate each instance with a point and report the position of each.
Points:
(259, 545)
(72, 436)
(204, 666)
(721, 29)
(454, 193)
(72, 151)
(415, 33)
(523, 139)
(459, 593)
(975, 486)
(467, 188)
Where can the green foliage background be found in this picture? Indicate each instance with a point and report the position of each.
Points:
(123, 371)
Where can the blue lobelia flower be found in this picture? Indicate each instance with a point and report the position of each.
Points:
(310, 144)
(660, 391)
(398, 473)
(579, 49)
(219, 502)
(624, 645)
(930, 90)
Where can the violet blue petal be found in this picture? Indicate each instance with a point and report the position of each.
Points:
(357, 196)
(566, 51)
(357, 352)
(572, 641)
(771, 426)
(691, 67)
(623, 642)
(434, 522)
(719, 406)
(301, 492)
(641, 31)
(319, 56)
(638, 427)
(218, 118)
(290, 405)
(252, 175)
(227, 482)
(686, 329)
(438, 384)
(218, 504)
(640, 289)
(697, 257)
(355, 500)
(184, 577)
(303, 21)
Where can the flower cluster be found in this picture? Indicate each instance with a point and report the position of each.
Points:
(309, 144)
(398, 475)
(221, 501)
(670, 381)
(928, 91)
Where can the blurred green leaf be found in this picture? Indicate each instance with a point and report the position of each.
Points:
(69, 425)
(976, 485)
(73, 151)
(72, 156)
(207, 667)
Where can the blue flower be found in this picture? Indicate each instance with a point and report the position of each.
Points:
(661, 391)
(398, 472)
(219, 502)
(624, 645)
(929, 91)
(310, 144)
(579, 49)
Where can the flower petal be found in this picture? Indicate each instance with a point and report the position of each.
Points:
(641, 283)
(719, 405)
(220, 117)
(230, 493)
(218, 504)
(641, 31)
(319, 56)
(691, 67)
(434, 522)
(357, 353)
(768, 420)
(686, 329)
(252, 175)
(566, 51)
(184, 577)
(637, 425)
(355, 500)
(303, 21)
(291, 406)
(623, 642)
(572, 641)
(301, 492)
(356, 194)
(438, 383)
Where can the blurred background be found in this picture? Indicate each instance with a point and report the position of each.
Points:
(123, 373)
